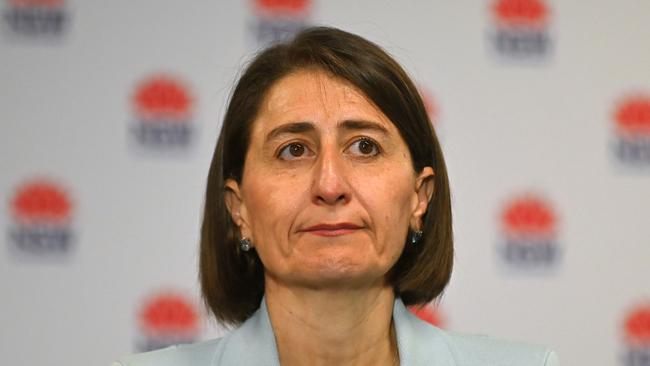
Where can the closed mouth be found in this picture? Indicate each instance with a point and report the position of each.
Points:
(335, 229)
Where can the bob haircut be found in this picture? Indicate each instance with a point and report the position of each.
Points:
(232, 281)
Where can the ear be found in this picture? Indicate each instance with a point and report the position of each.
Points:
(237, 207)
(424, 187)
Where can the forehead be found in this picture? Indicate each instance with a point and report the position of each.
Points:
(317, 97)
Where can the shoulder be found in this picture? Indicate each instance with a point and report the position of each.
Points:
(484, 350)
(421, 343)
(251, 344)
(200, 353)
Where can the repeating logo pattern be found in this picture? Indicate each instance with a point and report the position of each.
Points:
(637, 336)
(42, 213)
(277, 20)
(529, 233)
(521, 29)
(632, 131)
(167, 318)
(162, 106)
(36, 18)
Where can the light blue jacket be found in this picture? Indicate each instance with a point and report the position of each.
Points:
(418, 342)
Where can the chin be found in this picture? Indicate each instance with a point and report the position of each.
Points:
(339, 273)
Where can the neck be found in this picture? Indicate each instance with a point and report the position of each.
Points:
(332, 326)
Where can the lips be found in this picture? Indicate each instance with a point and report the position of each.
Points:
(335, 229)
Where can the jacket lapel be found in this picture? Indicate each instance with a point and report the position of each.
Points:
(251, 344)
(418, 342)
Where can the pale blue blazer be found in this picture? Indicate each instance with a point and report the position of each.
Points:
(418, 342)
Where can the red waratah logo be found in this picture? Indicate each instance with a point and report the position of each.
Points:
(429, 104)
(41, 202)
(636, 329)
(163, 109)
(518, 13)
(632, 130)
(430, 313)
(167, 318)
(278, 20)
(637, 326)
(529, 232)
(42, 211)
(162, 98)
(633, 116)
(36, 18)
(528, 216)
(520, 30)
(283, 7)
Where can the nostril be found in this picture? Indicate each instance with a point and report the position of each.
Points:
(333, 198)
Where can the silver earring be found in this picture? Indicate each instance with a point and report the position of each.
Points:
(245, 244)
(416, 236)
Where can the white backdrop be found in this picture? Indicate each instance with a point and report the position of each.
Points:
(110, 112)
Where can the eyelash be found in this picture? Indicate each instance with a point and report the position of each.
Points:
(371, 141)
(287, 146)
(374, 143)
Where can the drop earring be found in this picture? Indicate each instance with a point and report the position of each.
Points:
(416, 236)
(245, 244)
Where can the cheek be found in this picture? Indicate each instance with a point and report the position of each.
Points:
(391, 189)
(272, 203)
(388, 196)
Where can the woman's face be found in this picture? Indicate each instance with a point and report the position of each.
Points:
(328, 190)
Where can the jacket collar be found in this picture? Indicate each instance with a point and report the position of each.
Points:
(418, 342)
(254, 342)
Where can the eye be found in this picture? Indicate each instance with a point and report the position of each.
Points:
(364, 147)
(293, 151)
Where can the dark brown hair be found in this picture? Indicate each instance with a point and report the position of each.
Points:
(232, 281)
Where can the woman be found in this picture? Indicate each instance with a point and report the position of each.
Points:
(327, 212)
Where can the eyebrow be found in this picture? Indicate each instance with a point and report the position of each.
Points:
(294, 127)
(363, 125)
(302, 127)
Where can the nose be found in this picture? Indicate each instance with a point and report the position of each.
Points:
(330, 181)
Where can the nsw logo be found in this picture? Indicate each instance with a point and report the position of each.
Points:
(162, 106)
(278, 20)
(430, 313)
(167, 318)
(631, 142)
(36, 18)
(433, 111)
(636, 329)
(42, 216)
(429, 104)
(520, 29)
(529, 234)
